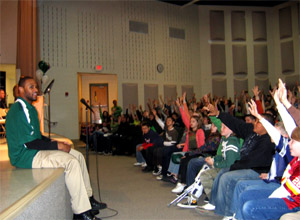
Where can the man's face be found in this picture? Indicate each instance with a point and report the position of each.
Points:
(169, 122)
(249, 120)
(258, 127)
(2, 94)
(29, 91)
(145, 129)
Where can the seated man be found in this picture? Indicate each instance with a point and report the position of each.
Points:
(27, 148)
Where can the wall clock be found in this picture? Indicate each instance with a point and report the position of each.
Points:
(160, 68)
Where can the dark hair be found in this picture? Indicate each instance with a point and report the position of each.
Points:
(170, 118)
(249, 115)
(269, 118)
(145, 123)
(23, 79)
(272, 112)
(175, 114)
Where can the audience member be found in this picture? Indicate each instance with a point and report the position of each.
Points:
(2, 99)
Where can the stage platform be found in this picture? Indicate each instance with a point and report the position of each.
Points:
(32, 193)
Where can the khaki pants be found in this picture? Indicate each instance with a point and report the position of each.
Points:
(207, 180)
(76, 175)
(291, 216)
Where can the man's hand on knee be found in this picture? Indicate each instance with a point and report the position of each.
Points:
(64, 146)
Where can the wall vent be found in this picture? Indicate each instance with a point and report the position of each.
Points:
(139, 27)
(177, 33)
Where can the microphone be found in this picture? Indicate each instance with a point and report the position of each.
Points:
(86, 105)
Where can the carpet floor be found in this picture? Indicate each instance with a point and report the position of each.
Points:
(131, 193)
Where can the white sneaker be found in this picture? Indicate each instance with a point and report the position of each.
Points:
(208, 207)
(158, 171)
(227, 218)
(143, 165)
(179, 188)
(189, 204)
(137, 164)
(159, 177)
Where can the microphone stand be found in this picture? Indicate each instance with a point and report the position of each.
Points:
(48, 90)
(49, 122)
(87, 138)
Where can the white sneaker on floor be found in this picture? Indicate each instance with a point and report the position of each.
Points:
(227, 218)
(189, 204)
(143, 165)
(208, 207)
(137, 164)
(159, 177)
(158, 171)
(179, 188)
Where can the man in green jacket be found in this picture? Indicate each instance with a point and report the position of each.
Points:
(27, 148)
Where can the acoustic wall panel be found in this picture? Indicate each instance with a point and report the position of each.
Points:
(259, 26)
(219, 87)
(176, 53)
(130, 94)
(150, 92)
(189, 91)
(54, 35)
(291, 82)
(240, 85)
(170, 92)
(239, 55)
(218, 60)
(298, 7)
(238, 26)
(287, 57)
(285, 22)
(260, 60)
(263, 85)
(217, 27)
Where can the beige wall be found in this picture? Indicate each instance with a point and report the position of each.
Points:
(76, 37)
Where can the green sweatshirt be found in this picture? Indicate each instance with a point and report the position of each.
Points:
(22, 126)
(228, 152)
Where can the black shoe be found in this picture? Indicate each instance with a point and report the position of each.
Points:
(206, 199)
(95, 212)
(165, 179)
(147, 169)
(85, 216)
(97, 205)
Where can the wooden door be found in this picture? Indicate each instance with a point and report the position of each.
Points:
(99, 98)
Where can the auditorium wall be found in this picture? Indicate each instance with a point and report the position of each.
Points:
(208, 49)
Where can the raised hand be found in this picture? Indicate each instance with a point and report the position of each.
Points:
(213, 111)
(256, 92)
(282, 93)
(253, 109)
